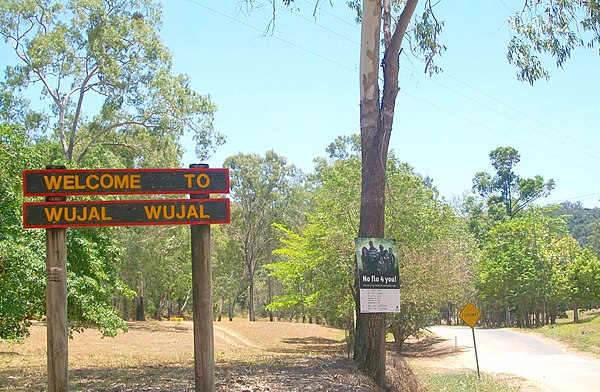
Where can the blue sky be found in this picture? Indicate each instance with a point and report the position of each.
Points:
(296, 90)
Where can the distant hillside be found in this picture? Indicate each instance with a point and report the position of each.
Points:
(584, 223)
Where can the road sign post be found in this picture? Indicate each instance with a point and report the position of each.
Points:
(470, 315)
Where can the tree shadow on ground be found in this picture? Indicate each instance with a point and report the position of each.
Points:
(287, 373)
(430, 347)
(311, 345)
(10, 353)
(163, 326)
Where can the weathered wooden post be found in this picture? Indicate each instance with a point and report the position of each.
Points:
(56, 305)
(204, 368)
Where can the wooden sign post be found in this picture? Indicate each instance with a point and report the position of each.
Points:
(204, 347)
(57, 333)
(56, 215)
(56, 310)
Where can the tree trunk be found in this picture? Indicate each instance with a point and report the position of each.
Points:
(270, 294)
(186, 301)
(251, 314)
(369, 345)
(375, 130)
(230, 310)
(375, 127)
(140, 311)
(126, 308)
(221, 304)
(170, 307)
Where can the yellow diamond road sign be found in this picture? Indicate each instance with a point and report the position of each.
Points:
(470, 314)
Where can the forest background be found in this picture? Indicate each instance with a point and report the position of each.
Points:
(288, 251)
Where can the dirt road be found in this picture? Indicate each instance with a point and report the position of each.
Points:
(547, 363)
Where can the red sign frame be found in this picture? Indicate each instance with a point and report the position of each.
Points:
(64, 214)
(94, 182)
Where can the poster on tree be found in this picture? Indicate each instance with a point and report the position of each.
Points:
(378, 275)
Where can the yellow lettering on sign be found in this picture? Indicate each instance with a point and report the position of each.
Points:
(170, 212)
(69, 182)
(134, 181)
(53, 214)
(52, 182)
(93, 181)
(201, 180)
(77, 214)
(152, 212)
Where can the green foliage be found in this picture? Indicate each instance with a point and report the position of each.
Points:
(22, 265)
(344, 147)
(294, 274)
(264, 190)
(229, 280)
(435, 250)
(551, 27)
(107, 77)
(157, 266)
(22, 283)
(15, 111)
(93, 259)
(317, 268)
(532, 266)
(584, 224)
(583, 275)
(425, 35)
(93, 273)
(505, 188)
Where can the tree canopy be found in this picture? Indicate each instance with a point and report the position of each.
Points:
(317, 265)
(262, 190)
(505, 188)
(107, 77)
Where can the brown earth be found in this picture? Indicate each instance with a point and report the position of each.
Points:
(158, 356)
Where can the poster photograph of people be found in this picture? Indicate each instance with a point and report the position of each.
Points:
(378, 274)
(377, 263)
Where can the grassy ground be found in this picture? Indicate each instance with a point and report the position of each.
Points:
(583, 336)
(460, 382)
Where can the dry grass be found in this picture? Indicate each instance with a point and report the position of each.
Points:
(158, 356)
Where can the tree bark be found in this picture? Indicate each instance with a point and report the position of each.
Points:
(251, 313)
(369, 345)
(230, 309)
(140, 311)
(376, 122)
